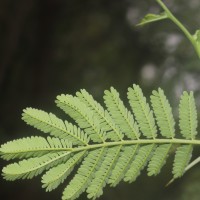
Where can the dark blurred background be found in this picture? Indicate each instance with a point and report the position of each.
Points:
(51, 47)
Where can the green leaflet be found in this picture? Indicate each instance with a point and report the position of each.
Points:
(149, 18)
(163, 113)
(182, 158)
(123, 164)
(121, 116)
(33, 166)
(56, 175)
(82, 115)
(141, 109)
(140, 161)
(104, 118)
(33, 147)
(84, 174)
(49, 123)
(101, 176)
(158, 159)
(108, 145)
(188, 116)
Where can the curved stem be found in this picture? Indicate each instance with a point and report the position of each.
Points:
(180, 25)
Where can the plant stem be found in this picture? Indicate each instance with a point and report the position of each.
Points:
(180, 25)
(134, 142)
(194, 162)
(109, 144)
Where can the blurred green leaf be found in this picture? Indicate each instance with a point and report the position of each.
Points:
(152, 18)
(196, 37)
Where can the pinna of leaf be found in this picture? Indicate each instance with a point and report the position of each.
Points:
(106, 145)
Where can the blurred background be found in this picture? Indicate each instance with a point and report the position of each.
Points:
(51, 47)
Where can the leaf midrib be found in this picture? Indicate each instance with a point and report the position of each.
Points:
(40, 165)
(109, 144)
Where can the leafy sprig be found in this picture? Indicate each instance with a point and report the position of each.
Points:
(167, 14)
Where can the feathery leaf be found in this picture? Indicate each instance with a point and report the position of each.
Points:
(140, 161)
(182, 158)
(188, 116)
(32, 147)
(163, 114)
(95, 189)
(142, 112)
(56, 175)
(82, 115)
(121, 116)
(108, 157)
(33, 166)
(158, 159)
(84, 175)
(49, 123)
(123, 164)
(106, 122)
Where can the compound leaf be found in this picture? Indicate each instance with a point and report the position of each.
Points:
(106, 147)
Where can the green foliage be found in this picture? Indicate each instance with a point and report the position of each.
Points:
(32, 147)
(163, 113)
(188, 117)
(182, 157)
(152, 18)
(108, 146)
(33, 166)
(139, 162)
(143, 114)
(49, 123)
(56, 175)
